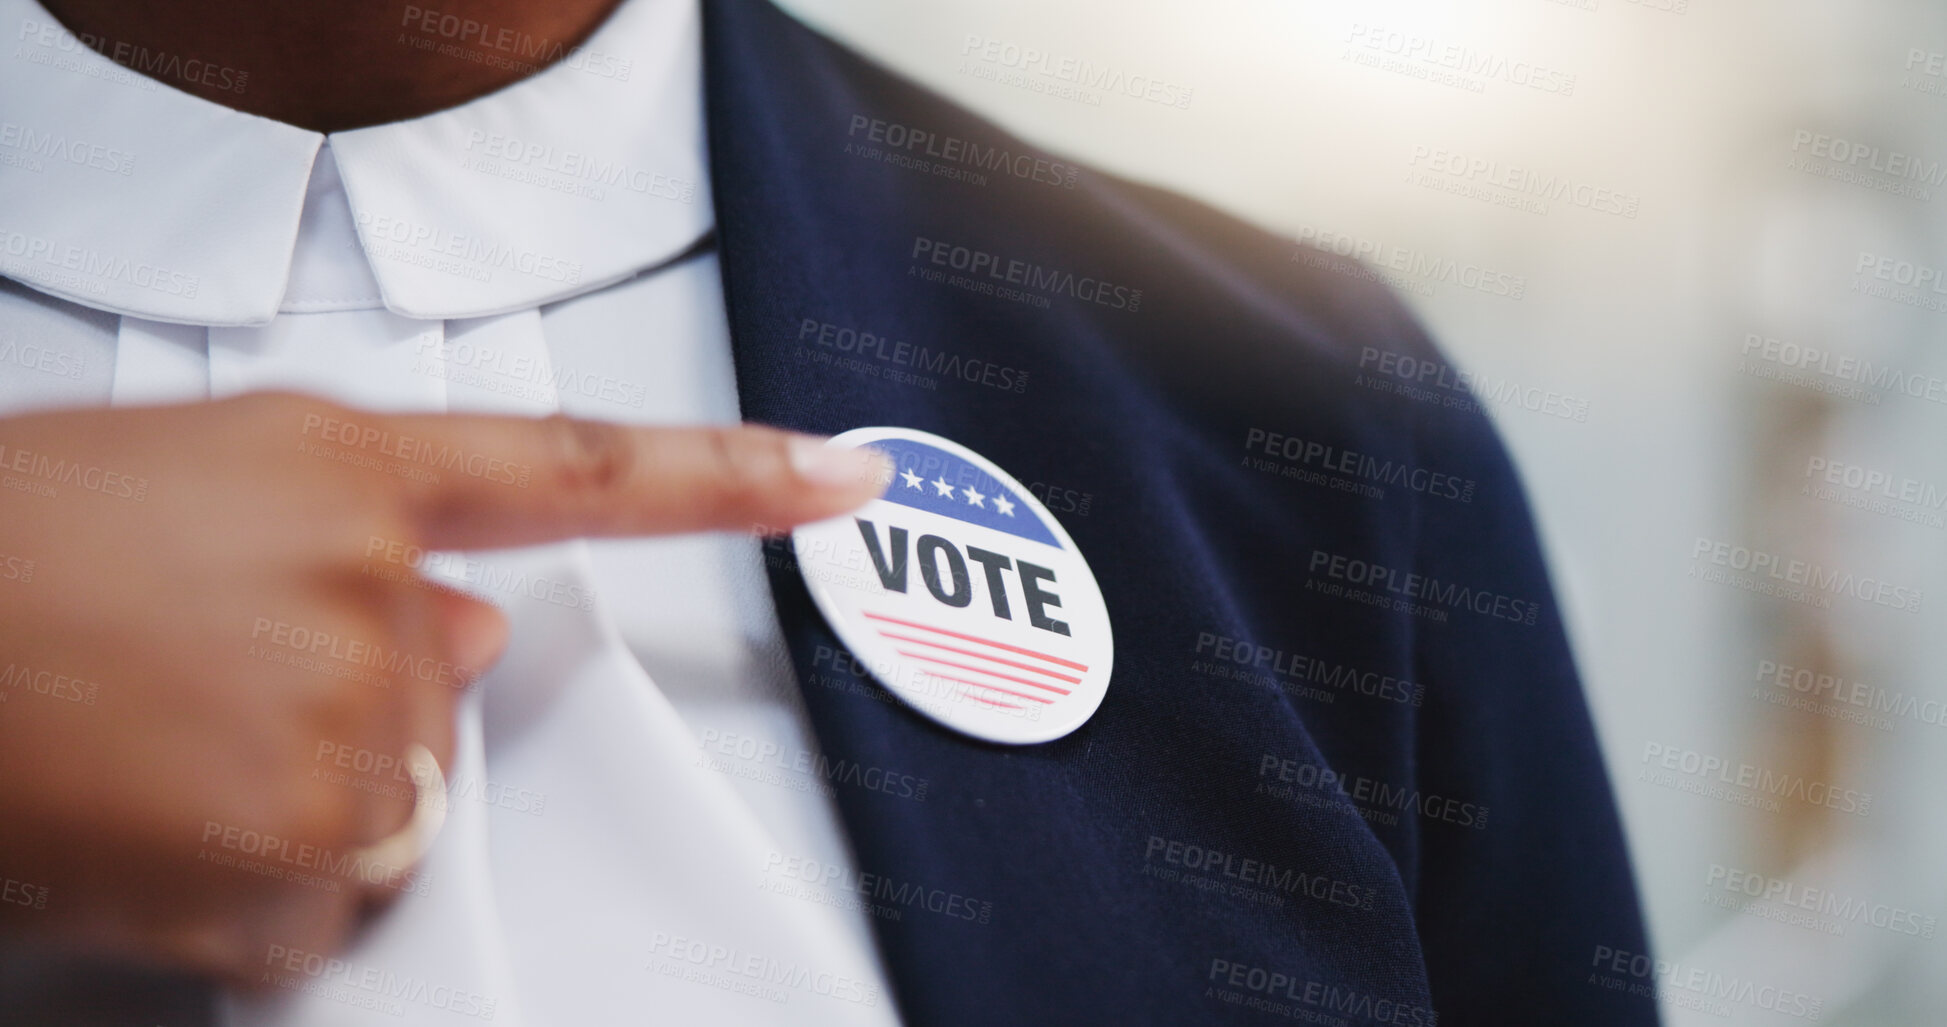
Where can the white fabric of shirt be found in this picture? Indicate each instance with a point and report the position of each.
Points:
(636, 799)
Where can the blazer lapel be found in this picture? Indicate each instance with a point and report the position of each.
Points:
(1022, 884)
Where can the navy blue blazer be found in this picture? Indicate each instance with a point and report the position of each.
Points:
(1343, 773)
(1344, 768)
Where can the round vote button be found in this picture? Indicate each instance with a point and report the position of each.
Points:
(961, 594)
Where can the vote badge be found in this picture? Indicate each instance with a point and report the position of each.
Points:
(962, 595)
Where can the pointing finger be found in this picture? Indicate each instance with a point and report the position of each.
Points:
(509, 481)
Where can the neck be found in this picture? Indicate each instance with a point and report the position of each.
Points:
(331, 65)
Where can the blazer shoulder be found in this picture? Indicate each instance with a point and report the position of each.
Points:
(851, 172)
(850, 115)
(1336, 305)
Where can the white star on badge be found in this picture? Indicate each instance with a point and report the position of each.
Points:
(974, 498)
(1004, 505)
(945, 489)
(913, 481)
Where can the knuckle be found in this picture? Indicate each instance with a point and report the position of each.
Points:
(591, 457)
(284, 403)
(335, 703)
(474, 632)
(212, 944)
(297, 936)
(316, 812)
(385, 538)
(749, 462)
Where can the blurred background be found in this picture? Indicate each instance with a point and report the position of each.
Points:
(1691, 254)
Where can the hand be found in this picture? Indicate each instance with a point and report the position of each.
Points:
(185, 628)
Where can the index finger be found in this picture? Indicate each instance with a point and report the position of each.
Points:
(509, 481)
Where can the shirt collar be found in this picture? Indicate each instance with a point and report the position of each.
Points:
(121, 193)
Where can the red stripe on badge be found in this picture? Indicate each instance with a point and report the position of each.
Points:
(993, 688)
(990, 702)
(981, 670)
(1018, 665)
(963, 636)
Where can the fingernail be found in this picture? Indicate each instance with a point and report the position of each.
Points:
(838, 466)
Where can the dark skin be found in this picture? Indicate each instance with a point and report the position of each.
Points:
(332, 65)
(161, 715)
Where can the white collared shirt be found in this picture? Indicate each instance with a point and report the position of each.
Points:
(641, 828)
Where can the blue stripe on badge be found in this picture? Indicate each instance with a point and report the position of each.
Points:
(936, 481)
